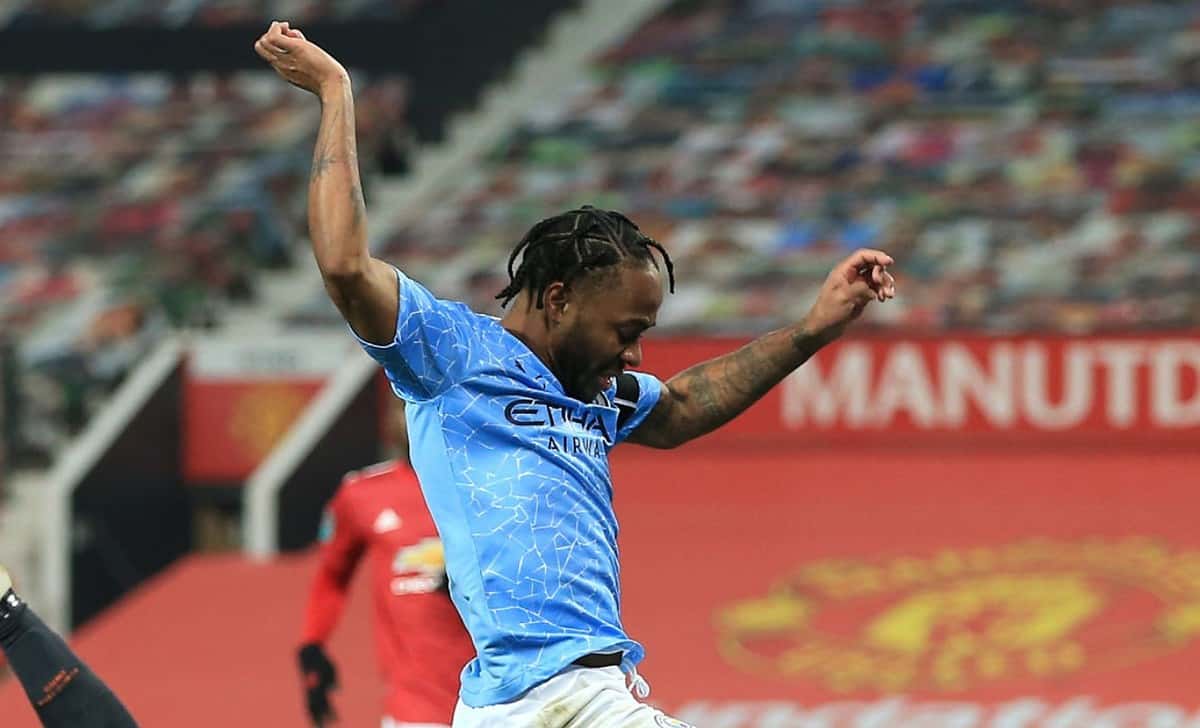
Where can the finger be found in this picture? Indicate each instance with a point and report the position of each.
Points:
(295, 33)
(278, 38)
(274, 38)
(261, 49)
(866, 257)
(288, 43)
(860, 293)
(887, 284)
(282, 34)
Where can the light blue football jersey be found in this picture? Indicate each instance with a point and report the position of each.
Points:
(516, 475)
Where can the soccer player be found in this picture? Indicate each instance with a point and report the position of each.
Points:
(63, 691)
(421, 644)
(512, 419)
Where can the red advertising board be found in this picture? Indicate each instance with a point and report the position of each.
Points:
(783, 589)
(1142, 390)
(869, 590)
(231, 426)
(242, 395)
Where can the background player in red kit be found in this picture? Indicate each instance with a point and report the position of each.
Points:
(379, 513)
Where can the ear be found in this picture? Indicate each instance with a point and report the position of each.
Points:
(554, 301)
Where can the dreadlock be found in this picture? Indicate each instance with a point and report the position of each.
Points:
(566, 246)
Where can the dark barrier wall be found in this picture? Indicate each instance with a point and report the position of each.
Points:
(450, 49)
(131, 515)
(351, 443)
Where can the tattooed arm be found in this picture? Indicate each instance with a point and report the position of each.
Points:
(363, 288)
(700, 399)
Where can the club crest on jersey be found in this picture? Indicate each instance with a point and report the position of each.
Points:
(418, 568)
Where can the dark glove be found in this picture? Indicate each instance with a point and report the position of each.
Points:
(320, 677)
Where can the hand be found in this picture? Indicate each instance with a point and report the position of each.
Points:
(300, 62)
(320, 677)
(851, 285)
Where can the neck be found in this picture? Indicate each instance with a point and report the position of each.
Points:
(525, 321)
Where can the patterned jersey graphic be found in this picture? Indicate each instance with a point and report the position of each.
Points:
(516, 476)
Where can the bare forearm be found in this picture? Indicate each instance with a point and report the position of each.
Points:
(363, 289)
(336, 210)
(700, 399)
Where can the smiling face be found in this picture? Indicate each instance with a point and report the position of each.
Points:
(598, 322)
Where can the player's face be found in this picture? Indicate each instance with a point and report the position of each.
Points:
(602, 324)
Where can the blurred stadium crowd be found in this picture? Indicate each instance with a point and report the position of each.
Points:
(136, 203)
(125, 13)
(1035, 164)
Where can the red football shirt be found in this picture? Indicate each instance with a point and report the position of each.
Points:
(420, 640)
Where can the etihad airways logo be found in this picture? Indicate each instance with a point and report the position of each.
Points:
(592, 425)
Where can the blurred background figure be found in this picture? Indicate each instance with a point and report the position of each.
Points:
(378, 514)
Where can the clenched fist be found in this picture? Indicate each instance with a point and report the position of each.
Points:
(301, 62)
(851, 285)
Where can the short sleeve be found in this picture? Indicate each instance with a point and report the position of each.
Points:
(635, 395)
(433, 344)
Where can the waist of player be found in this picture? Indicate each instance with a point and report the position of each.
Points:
(600, 659)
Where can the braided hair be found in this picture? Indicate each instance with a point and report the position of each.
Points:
(567, 246)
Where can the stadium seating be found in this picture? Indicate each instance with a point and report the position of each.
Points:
(134, 203)
(1034, 164)
(122, 13)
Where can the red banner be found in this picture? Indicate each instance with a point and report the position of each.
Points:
(242, 395)
(230, 427)
(966, 590)
(778, 588)
(1037, 390)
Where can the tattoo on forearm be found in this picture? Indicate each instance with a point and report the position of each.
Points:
(329, 152)
(727, 386)
(321, 164)
(708, 395)
(325, 155)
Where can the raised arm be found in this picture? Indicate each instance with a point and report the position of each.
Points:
(363, 288)
(700, 399)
